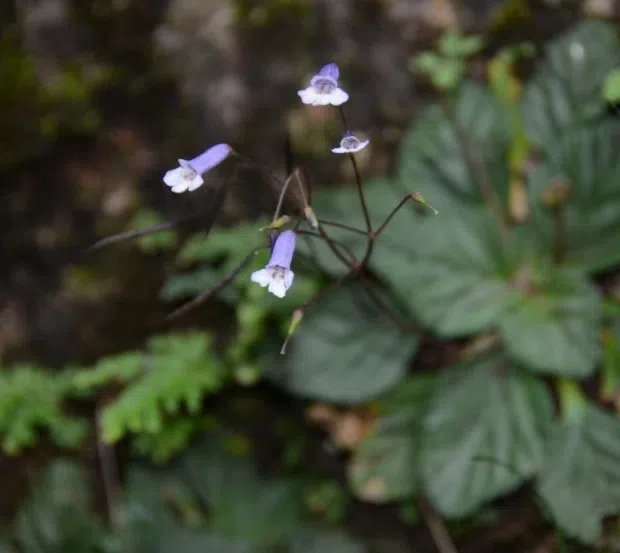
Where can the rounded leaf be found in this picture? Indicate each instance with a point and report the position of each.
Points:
(580, 478)
(555, 327)
(346, 350)
(483, 433)
(566, 90)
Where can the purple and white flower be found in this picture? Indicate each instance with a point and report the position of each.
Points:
(350, 144)
(323, 89)
(188, 176)
(277, 274)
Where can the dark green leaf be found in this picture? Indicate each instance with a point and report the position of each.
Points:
(555, 326)
(241, 505)
(483, 433)
(345, 350)
(566, 90)
(56, 517)
(432, 160)
(588, 160)
(150, 524)
(324, 542)
(459, 281)
(580, 478)
(385, 467)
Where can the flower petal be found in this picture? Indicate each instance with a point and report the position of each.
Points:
(337, 97)
(262, 277)
(360, 146)
(288, 278)
(174, 177)
(321, 100)
(308, 95)
(196, 182)
(210, 158)
(283, 250)
(331, 71)
(340, 150)
(277, 287)
(180, 188)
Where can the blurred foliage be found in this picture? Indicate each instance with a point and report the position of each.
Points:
(207, 500)
(176, 372)
(31, 400)
(446, 67)
(508, 270)
(529, 286)
(611, 87)
(35, 113)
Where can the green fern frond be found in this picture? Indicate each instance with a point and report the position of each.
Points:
(31, 400)
(174, 435)
(177, 371)
(231, 244)
(120, 369)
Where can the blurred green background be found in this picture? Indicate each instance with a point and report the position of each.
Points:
(463, 395)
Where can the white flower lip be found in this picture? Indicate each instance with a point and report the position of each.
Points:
(278, 279)
(350, 144)
(277, 275)
(313, 96)
(188, 176)
(183, 178)
(323, 89)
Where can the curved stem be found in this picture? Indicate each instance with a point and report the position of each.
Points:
(210, 292)
(336, 244)
(358, 178)
(342, 226)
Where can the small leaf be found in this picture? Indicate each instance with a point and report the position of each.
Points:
(427, 62)
(448, 74)
(330, 358)
(385, 467)
(580, 478)
(483, 433)
(611, 87)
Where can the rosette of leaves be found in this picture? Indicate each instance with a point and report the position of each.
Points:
(530, 284)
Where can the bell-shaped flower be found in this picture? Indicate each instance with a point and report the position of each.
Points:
(277, 274)
(323, 89)
(188, 176)
(350, 144)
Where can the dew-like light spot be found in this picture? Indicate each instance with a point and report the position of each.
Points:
(577, 51)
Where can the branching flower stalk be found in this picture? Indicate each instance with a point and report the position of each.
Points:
(277, 275)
